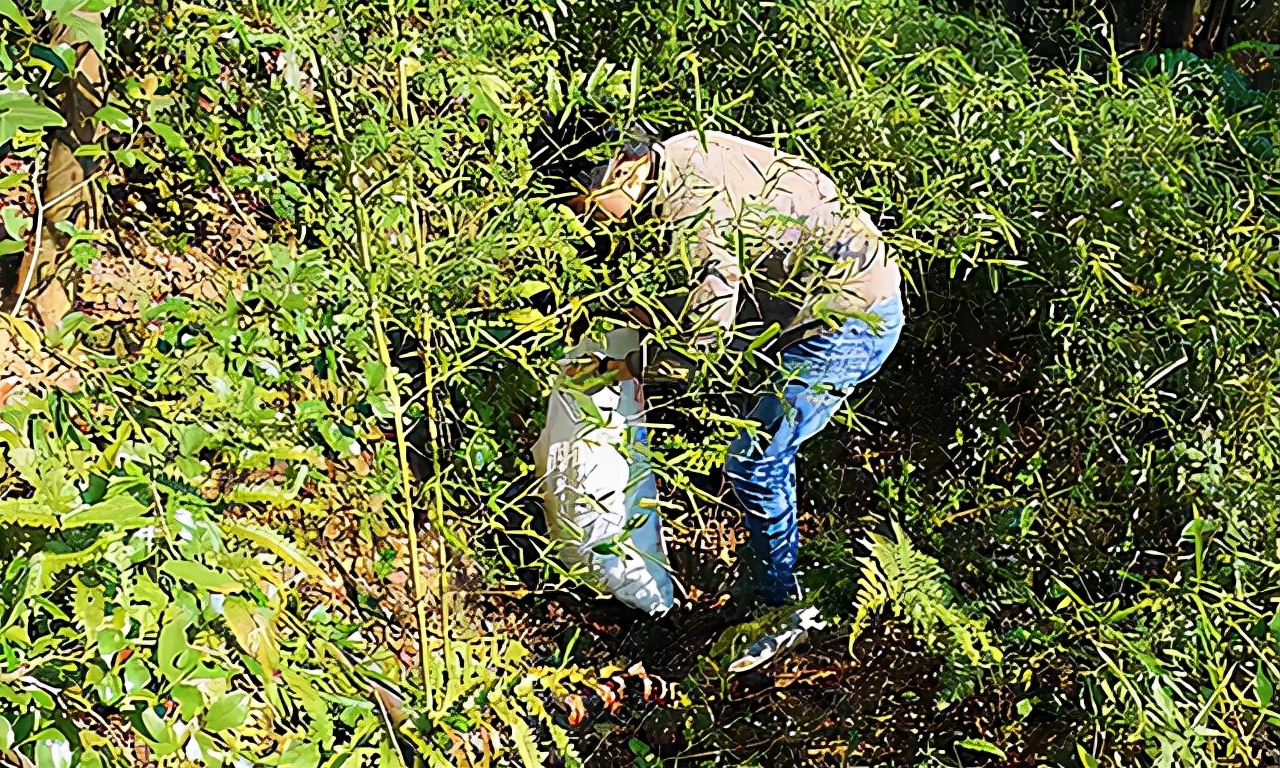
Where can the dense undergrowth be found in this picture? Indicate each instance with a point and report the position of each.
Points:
(1062, 492)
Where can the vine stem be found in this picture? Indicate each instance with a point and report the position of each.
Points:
(437, 493)
(429, 385)
(402, 456)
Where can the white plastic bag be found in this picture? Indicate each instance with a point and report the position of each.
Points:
(598, 490)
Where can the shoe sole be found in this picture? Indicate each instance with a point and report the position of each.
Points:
(748, 663)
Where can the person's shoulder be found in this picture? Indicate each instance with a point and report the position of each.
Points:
(713, 141)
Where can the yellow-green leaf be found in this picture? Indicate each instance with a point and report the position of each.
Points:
(982, 745)
(121, 511)
(27, 512)
(269, 539)
(228, 712)
(9, 10)
(202, 576)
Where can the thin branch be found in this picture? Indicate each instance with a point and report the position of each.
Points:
(39, 229)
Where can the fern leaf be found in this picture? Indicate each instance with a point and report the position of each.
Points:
(286, 550)
(525, 743)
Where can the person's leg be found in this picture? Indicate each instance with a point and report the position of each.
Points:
(762, 470)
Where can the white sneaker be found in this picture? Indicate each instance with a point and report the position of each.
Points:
(793, 633)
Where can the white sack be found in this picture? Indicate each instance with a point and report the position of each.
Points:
(596, 484)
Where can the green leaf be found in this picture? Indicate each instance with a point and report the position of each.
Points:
(172, 139)
(121, 511)
(173, 645)
(114, 118)
(50, 56)
(243, 619)
(608, 547)
(176, 308)
(136, 675)
(27, 512)
(52, 749)
(1085, 758)
(160, 732)
(982, 745)
(588, 408)
(300, 754)
(20, 112)
(6, 734)
(529, 288)
(9, 10)
(88, 606)
(487, 91)
(202, 576)
(191, 438)
(89, 31)
(761, 340)
(111, 640)
(190, 700)
(321, 729)
(526, 743)
(228, 712)
(1264, 688)
(15, 224)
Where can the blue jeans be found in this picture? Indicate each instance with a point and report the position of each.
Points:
(815, 377)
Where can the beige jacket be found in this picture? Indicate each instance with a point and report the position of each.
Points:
(742, 214)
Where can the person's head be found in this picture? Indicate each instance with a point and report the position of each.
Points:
(614, 190)
(566, 151)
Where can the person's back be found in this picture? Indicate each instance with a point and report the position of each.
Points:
(773, 224)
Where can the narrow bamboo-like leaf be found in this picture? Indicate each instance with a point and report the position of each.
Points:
(1087, 760)
(48, 55)
(521, 734)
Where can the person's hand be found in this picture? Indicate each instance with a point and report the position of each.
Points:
(619, 367)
